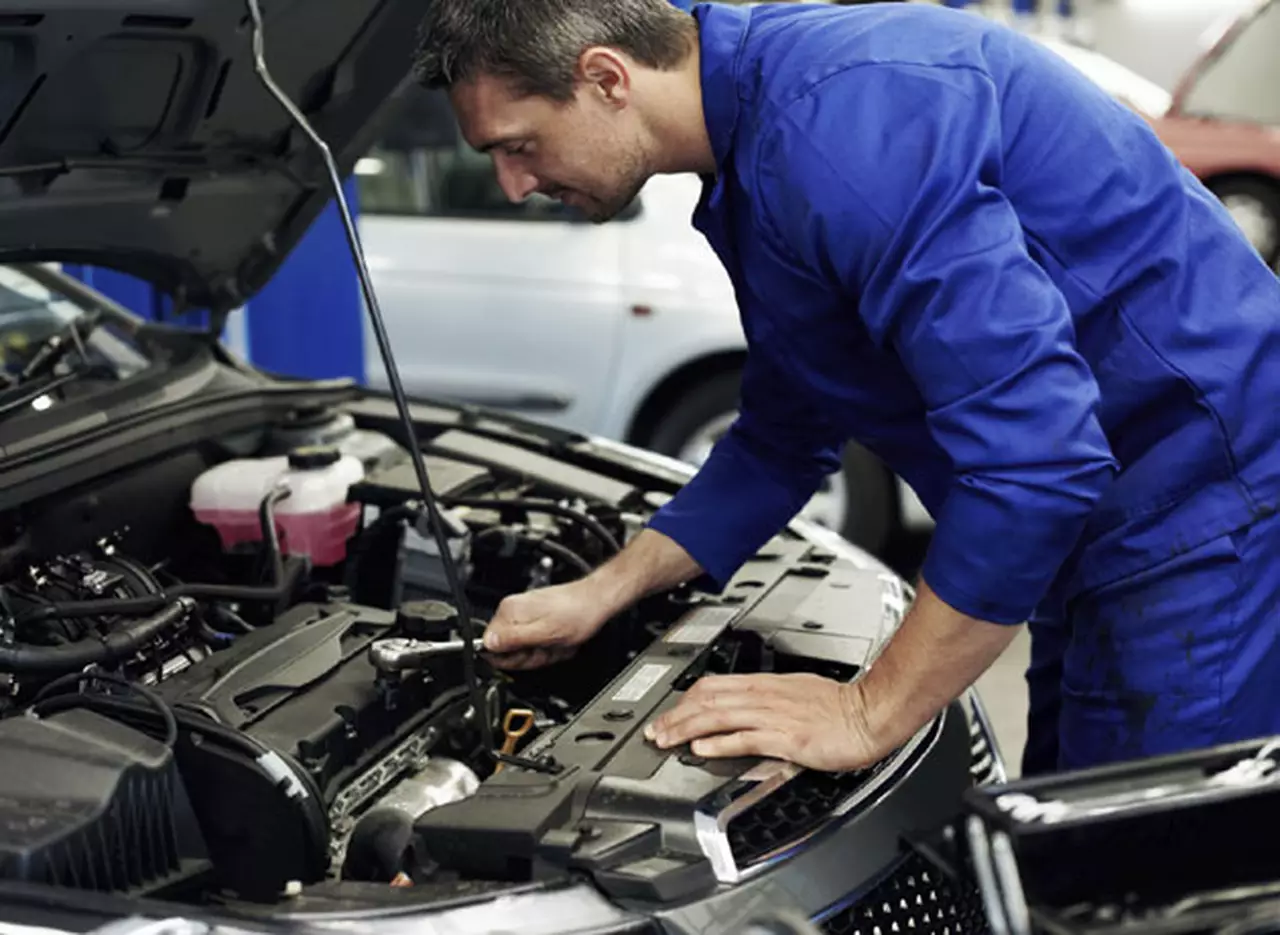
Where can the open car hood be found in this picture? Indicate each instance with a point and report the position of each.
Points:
(136, 134)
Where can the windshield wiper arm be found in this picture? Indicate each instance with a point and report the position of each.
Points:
(72, 335)
(16, 403)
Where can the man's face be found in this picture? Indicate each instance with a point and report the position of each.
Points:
(586, 153)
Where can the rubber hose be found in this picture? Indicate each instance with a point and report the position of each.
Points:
(534, 505)
(124, 641)
(556, 550)
(210, 592)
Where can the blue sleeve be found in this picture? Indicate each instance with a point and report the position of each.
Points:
(756, 479)
(885, 181)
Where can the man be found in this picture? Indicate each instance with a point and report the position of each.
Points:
(950, 246)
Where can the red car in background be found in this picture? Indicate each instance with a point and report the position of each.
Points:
(1222, 120)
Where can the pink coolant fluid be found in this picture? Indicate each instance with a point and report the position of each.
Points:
(315, 520)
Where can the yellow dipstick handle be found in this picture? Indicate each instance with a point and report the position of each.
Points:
(516, 723)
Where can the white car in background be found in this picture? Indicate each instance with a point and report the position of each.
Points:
(627, 330)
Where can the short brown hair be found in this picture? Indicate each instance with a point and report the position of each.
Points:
(536, 43)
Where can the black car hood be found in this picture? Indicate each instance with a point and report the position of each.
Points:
(138, 135)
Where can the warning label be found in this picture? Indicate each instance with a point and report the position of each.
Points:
(640, 682)
(702, 626)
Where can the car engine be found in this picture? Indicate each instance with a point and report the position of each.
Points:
(241, 678)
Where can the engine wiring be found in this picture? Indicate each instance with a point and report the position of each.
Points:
(550, 507)
(59, 685)
(457, 591)
(281, 587)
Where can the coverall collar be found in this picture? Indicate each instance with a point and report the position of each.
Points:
(722, 31)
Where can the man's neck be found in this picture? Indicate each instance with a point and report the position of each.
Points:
(677, 122)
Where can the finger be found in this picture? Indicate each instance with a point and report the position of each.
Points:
(763, 743)
(511, 635)
(510, 661)
(704, 722)
(716, 689)
(735, 691)
(559, 653)
(524, 659)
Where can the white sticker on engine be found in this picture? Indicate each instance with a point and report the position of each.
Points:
(641, 681)
(702, 626)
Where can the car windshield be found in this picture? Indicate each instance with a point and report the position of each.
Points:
(1130, 88)
(1238, 80)
(31, 313)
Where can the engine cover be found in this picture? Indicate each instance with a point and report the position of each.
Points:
(307, 734)
(305, 687)
(666, 825)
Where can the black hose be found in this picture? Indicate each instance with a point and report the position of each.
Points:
(556, 550)
(546, 546)
(212, 636)
(75, 678)
(124, 641)
(230, 620)
(590, 523)
(403, 512)
(270, 538)
(209, 592)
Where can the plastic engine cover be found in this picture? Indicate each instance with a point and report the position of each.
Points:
(89, 803)
(305, 687)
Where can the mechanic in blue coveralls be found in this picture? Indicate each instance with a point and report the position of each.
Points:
(950, 246)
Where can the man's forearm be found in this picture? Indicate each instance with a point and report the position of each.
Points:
(936, 654)
(650, 562)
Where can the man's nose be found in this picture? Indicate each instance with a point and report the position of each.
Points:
(515, 183)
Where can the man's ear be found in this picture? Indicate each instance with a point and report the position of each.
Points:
(606, 74)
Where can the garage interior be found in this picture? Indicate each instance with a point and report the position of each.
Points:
(562, 380)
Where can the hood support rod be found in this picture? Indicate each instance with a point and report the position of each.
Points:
(458, 593)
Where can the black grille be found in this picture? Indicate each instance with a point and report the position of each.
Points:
(797, 809)
(914, 898)
(133, 845)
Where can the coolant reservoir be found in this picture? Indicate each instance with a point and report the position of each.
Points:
(315, 520)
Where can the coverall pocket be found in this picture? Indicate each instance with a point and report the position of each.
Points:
(1147, 668)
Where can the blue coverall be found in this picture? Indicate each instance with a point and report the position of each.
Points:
(949, 245)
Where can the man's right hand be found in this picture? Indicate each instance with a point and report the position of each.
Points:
(547, 625)
(539, 627)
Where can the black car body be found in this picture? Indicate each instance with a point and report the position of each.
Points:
(211, 731)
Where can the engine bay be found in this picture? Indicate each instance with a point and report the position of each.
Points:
(236, 675)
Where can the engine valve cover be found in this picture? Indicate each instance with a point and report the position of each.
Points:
(305, 686)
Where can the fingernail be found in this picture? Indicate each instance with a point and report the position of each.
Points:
(649, 732)
(698, 747)
(491, 642)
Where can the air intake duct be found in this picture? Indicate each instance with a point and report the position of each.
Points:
(89, 803)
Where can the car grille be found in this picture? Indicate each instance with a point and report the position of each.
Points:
(808, 801)
(914, 898)
(794, 811)
(983, 766)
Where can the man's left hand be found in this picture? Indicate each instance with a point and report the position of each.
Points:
(803, 719)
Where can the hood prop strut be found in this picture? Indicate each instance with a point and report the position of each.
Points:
(458, 593)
